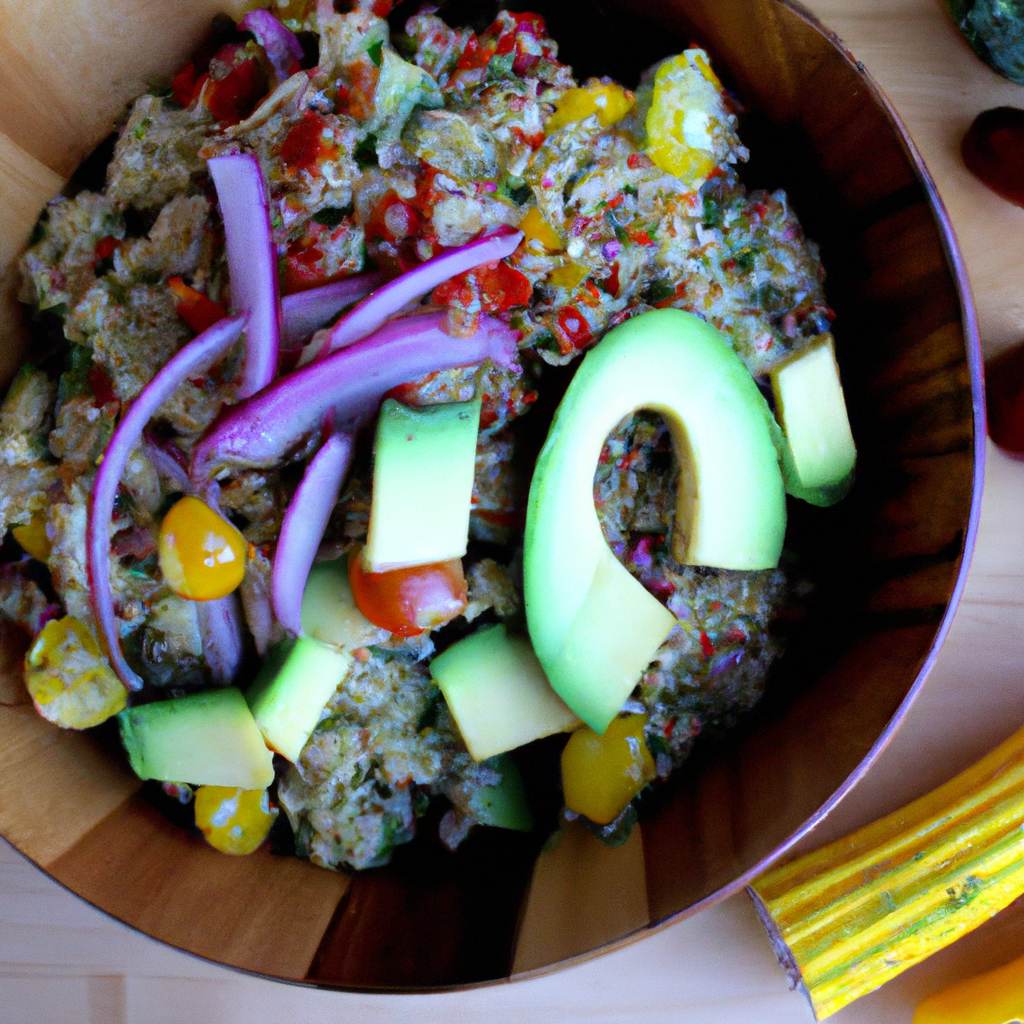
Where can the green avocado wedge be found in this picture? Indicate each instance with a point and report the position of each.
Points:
(593, 626)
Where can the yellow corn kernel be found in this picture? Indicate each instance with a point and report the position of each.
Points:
(536, 229)
(601, 774)
(234, 820)
(610, 102)
(202, 556)
(68, 678)
(32, 537)
(686, 125)
(568, 276)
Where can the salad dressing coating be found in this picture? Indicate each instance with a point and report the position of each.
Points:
(386, 153)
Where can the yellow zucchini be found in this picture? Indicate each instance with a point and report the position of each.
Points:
(847, 918)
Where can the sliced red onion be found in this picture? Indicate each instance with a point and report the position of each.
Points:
(283, 49)
(194, 359)
(304, 525)
(260, 431)
(220, 626)
(168, 468)
(306, 312)
(384, 303)
(252, 264)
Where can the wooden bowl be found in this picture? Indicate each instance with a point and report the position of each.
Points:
(890, 560)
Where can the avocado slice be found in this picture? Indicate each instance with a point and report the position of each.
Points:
(593, 626)
(498, 693)
(204, 739)
(424, 465)
(812, 412)
(290, 693)
(329, 611)
(503, 805)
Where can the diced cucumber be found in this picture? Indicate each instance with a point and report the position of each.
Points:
(504, 805)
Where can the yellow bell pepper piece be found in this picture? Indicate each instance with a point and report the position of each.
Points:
(537, 230)
(568, 276)
(601, 774)
(68, 678)
(993, 998)
(234, 820)
(687, 132)
(32, 537)
(610, 102)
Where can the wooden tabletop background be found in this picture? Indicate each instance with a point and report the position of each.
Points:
(62, 962)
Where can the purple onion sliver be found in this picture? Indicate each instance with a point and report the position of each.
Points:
(304, 525)
(167, 466)
(220, 627)
(196, 357)
(373, 311)
(259, 431)
(283, 49)
(306, 312)
(252, 264)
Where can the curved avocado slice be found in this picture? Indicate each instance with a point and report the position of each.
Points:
(593, 626)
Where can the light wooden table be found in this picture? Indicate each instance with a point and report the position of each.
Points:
(62, 962)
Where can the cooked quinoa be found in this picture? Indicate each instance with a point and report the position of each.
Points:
(387, 152)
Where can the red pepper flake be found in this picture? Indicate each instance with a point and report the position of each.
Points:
(611, 283)
(497, 286)
(669, 726)
(198, 311)
(106, 247)
(574, 327)
(715, 605)
(706, 646)
(101, 385)
(306, 147)
(641, 238)
(183, 87)
(736, 636)
(233, 97)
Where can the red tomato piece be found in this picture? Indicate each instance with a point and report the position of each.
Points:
(497, 286)
(574, 327)
(234, 97)
(409, 601)
(198, 311)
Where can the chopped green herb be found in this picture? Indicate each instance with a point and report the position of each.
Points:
(375, 52)
(332, 216)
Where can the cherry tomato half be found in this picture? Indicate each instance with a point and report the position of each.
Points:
(409, 601)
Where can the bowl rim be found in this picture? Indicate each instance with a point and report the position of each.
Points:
(973, 351)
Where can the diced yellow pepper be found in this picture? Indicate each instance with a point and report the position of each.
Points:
(234, 820)
(601, 774)
(996, 997)
(686, 110)
(32, 537)
(536, 229)
(68, 678)
(202, 555)
(610, 102)
(568, 276)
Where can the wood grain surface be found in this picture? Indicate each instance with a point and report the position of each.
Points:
(63, 961)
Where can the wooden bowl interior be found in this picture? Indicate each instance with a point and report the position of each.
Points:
(887, 560)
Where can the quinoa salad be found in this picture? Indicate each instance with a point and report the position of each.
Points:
(563, 208)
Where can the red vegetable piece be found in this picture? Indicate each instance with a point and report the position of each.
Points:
(409, 601)
(183, 86)
(305, 146)
(234, 97)
(497, 286)
(993, 150)
(1004, 398)
(575, 328)
(198, 311)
